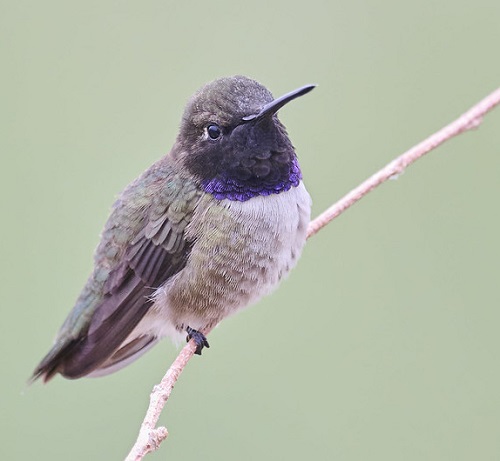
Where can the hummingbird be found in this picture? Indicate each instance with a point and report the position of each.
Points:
(208, 229)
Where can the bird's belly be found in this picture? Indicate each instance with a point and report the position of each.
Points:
(242, 251)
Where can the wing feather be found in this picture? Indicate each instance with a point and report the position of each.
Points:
(156, 252)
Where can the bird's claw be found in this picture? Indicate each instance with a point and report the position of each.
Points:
(199, 338)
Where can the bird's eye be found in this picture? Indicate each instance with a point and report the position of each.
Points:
(214, 132)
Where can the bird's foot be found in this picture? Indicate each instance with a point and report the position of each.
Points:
(199, 338)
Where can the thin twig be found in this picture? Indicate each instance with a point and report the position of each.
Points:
(150, 436)
(467, 121)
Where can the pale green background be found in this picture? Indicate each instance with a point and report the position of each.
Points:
(382, 345)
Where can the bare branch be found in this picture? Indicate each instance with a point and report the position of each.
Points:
(467, 121)
(150, 436)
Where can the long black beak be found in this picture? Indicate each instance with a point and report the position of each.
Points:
(273, 106)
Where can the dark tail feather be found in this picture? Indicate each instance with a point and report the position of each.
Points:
(112, 322)
(50, 364)
(125, 355)
(102, 342)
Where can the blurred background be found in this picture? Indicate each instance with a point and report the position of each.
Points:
(383, 344)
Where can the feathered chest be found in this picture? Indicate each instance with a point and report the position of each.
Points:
(241, 251)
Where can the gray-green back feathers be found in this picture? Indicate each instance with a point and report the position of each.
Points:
(142, 245)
